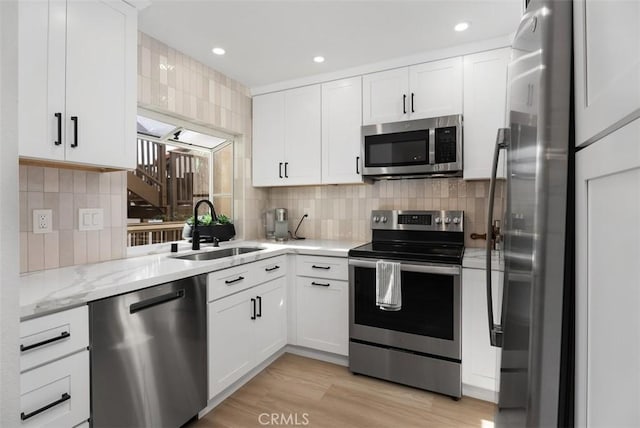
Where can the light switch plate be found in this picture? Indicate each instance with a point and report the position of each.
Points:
(90, 219)
(42, 221)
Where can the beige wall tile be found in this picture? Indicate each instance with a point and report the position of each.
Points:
(24, 252)
(65, 238)
(65, 180)
(79, 247)
(22, 178)
(51, 250)
(79, 182)
(51, 183)
(35, 245)
(65, 210)
(93, 182)
(93, 246)
(35, 179)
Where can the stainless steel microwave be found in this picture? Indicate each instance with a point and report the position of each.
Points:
(413, 148)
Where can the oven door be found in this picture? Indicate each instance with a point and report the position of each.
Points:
(429, 320)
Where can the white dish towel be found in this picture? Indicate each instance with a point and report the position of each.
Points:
(388, 286)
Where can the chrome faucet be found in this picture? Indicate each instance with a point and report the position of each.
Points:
(195, 236)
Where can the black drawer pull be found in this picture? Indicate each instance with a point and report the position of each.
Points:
(155, 301)
(65, 397)
(259, 298)
(358, 165)
(253, 314)
(321, 284)
(74, 119)
(321, 267)
(276, 267)
(63, 335)
(231, 281)
(59, 120)
(280, 170)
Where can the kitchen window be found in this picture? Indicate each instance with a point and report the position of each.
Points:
(178, 164)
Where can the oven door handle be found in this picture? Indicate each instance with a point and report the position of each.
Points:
(502, 142)
(438, 270)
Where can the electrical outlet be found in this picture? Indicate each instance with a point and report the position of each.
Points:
(42, 221)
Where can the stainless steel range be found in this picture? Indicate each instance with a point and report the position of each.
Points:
(418, 345)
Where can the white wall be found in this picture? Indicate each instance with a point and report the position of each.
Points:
(9, 300)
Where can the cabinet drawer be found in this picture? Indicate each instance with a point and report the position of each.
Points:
(322, 267)
(272, 268)
(56, 394)
(53, 336)
(228, 281)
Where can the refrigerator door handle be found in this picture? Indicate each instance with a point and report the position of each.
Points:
(502, 142)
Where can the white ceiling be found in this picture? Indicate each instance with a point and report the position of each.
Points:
(273, 41)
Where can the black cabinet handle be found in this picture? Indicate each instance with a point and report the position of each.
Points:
(253, 314)
(321, 284)
(231, 281)
(74, 119)
(412, 110)
(59, 119)
(357, 164)
(276, 267)
(63, 335)
(259, 314)
(404, 103)
(280, 169)
(155, 301)
(65, 397)
(286, 174)
(321, 267)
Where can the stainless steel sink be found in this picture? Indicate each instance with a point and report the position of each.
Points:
(219, 254)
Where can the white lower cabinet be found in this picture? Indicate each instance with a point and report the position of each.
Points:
(322, 304)
(54, 365)
(56, 394)
(480, 360)
(244, 330)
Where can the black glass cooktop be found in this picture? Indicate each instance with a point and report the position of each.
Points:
(422, 252)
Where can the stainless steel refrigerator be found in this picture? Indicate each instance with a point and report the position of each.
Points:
(536, 319)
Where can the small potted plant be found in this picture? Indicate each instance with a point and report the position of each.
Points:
(220, 227)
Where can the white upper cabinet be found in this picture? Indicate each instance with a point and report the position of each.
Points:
(77, 84)
(341, 131)
(384, 96)
(485, 93)
(607, 65)
(435, 89)
(286, 137)
(426, 90)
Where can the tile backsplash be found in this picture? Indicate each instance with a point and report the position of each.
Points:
(64, 191)
(342, 211)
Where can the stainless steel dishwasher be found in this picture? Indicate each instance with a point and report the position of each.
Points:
(149, 356)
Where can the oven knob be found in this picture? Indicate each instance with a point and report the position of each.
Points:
(383, 219)
(456, 220)
(376, 219)
(438, 220)
(447, 220)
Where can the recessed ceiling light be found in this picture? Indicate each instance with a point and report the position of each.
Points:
(318, 59)
(461, 26)
(218, 51)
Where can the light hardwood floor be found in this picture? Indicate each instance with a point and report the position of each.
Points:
(328, 395)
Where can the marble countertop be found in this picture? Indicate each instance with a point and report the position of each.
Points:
(474, 258)
(57, 289)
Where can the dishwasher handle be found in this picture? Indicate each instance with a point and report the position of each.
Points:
(155, 301)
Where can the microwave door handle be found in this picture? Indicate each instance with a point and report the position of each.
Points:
(432, 146)
(502, 142)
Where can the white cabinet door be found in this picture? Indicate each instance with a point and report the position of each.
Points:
(64, 384)
(607, 64)
(435, 89)
(101, 83)
(268, 139)
(341, 131)
(607, 278)
(77, 62)
(230, 340)
(270, 333)
(485, 93)
(385, 96)
(323, 314)
(480, 360)
(302, 136)
(41, 53)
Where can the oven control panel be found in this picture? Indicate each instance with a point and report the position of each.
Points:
(442, 220)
